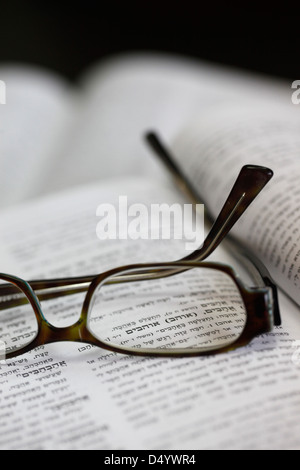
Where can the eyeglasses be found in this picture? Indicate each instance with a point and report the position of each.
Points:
(184, 308)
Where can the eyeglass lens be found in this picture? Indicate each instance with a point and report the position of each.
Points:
(197, 309)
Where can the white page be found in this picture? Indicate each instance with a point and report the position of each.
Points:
(124, 96)
(44, 149)
(33, 123)
(263, 134)
(72, 396)
(54, 135)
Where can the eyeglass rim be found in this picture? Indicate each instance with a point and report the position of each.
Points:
(257, 301)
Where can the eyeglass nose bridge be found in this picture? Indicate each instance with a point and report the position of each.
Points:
(77, 332)
(48, 331)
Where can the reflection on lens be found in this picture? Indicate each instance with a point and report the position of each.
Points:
(18, 324)
(199, 309)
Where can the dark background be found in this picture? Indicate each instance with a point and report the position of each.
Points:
(67, 37)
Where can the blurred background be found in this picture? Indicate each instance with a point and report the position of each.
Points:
(51, 139)
(69, 36)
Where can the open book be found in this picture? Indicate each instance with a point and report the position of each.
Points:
(67, 149)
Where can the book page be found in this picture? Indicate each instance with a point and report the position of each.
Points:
(124, 96)
(34, 122)
(76, 396)
(55, 135)
(214, 147)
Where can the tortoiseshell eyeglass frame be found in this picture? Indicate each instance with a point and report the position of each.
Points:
(260, 302)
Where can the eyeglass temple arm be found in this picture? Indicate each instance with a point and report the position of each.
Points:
(11, 296)
(250, 181)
